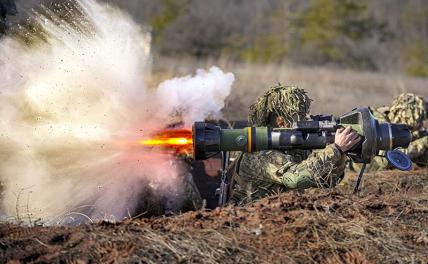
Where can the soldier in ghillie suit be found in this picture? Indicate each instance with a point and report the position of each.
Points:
(7, 7)
(411, 110)
(256, 175)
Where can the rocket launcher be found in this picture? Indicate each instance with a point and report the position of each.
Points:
(317, 133)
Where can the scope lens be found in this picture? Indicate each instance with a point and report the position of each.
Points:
(392, 136)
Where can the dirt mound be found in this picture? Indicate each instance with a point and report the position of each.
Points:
(386, 223)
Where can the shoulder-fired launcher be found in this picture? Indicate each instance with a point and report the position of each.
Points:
(209, 139)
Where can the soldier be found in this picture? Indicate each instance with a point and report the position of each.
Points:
(183, 196)
(256, 175)
(411, 110)
(7, 7)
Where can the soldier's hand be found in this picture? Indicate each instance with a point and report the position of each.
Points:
(346, 138)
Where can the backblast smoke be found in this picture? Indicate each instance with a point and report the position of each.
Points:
(73, 106)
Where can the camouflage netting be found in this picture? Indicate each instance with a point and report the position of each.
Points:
(408, 109)
(289, 102)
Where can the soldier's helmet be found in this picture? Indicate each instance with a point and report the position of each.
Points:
(289, 102)
(408, 109)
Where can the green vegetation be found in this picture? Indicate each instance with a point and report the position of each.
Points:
(417, 59)
(415, 41)
(170, 10)
(381, 35)
(332, 30)
(267, 49)
(372, 35)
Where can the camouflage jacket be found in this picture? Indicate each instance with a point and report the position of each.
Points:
(259, 174)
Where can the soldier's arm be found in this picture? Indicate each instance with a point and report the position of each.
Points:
(324, 168)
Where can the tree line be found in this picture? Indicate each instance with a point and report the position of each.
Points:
(381, 35)
(385, 35)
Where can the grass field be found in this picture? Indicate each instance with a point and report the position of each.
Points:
(386, 223)
(334, 91)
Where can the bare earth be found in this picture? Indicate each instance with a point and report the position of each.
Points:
(386, 223)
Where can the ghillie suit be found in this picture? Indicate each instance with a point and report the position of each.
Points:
(259, 174)
(288, 102)
(411, 110)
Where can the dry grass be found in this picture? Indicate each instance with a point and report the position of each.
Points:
(386, 223)
(333, 90)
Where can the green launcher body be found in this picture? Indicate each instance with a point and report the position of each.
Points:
(209, 139)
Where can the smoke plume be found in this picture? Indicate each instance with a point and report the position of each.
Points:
(73, 104)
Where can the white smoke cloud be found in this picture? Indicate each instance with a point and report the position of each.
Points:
(200, 96)
(71, 110)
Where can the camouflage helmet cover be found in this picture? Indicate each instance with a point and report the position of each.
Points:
(289, 102)
(408, 109)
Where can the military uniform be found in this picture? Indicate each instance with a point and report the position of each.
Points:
(256, 175)
(406, 109)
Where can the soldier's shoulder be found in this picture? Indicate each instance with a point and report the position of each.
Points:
(267, 156)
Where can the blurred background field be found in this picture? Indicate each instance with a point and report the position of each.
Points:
(334, 91)
(344, 53)
(382, 35)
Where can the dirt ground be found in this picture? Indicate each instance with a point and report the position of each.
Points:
(386, 223)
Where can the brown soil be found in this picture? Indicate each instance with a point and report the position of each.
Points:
(386, 223)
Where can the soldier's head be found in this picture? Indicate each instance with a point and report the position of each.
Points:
(280, 107)
(408, 109)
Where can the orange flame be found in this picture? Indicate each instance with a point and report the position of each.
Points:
(178, 140)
